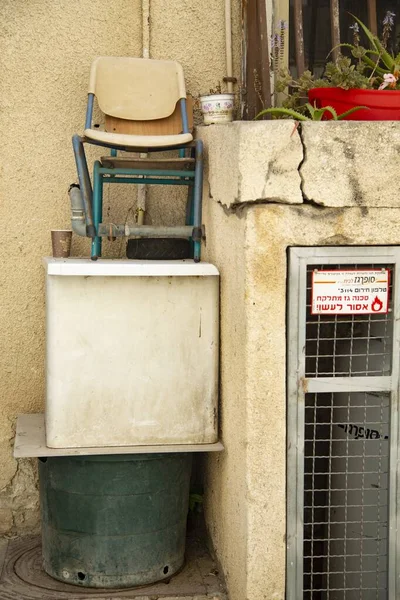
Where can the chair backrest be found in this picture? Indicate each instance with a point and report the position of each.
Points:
(137, 89)
(171, 125)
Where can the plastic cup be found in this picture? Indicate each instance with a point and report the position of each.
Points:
(61, 242)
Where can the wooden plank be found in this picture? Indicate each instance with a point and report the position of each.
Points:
(170, 126)
(30, 441)
(335, 27)
(372, 17)
(281, 15)
(299, 36)
(256, 72)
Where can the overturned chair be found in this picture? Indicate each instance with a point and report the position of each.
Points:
(145, 109)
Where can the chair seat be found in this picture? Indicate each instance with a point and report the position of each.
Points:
(127, 162)
(138, 141)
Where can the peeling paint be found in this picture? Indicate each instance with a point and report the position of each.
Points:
(19, 501)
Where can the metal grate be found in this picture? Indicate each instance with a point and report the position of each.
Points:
(348, 345)
(346, 466)
(342, 437)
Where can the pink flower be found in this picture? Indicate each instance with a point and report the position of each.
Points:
(390, 80)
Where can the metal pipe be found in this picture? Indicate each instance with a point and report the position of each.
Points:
(185, 122)
(335, 27)
(113, 230)
(84, 183)
(78, 219)
(148, 180)
(89, 111)
(142, 189)
(197, 201)
(228, 44)
(155, 173)
(97, 209)
(145, 28)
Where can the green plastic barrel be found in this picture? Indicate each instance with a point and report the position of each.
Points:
(114, 521)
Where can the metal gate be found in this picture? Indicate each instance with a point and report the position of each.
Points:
(342, 436)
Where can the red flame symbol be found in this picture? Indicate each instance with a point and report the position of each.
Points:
(377, 304)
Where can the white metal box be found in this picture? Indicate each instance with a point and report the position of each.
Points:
(132, 352)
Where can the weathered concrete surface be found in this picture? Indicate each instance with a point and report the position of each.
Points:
(246, 505)
(226, 475)
(331, 164)
(254, 162)
(354, 163)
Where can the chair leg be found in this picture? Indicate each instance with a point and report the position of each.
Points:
(189, 212)
(97, 208)
(189, 205)
(84, 183)
(197, 199)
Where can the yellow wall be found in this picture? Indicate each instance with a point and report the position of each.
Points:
(46, 48)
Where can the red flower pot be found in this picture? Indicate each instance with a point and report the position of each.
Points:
(383, 105)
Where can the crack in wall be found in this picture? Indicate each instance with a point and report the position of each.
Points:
(238, 207)
(302, 181)
(233, 203)
(306, 199)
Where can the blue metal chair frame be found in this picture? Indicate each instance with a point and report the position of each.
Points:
(92, 197)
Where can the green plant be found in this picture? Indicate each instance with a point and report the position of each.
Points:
(380, 66)
(316, 114)
(216, 90)
(367, 68)
(341, 73)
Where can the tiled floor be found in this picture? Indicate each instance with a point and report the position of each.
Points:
(22, 577)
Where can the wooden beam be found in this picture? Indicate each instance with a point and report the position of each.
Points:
(372, 17)
(313, 34)
(335, 27)
(299, 36)
(256, 70)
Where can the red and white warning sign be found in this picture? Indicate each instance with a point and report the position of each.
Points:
(350, 292)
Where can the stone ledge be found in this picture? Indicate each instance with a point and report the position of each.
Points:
(331, 164)
(253, 162)
(352, 163)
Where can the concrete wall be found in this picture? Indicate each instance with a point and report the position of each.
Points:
(268, 187)
(46, 51)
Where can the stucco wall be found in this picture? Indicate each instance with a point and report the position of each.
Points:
(249, 236)
(46, 51)
(226, 478)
